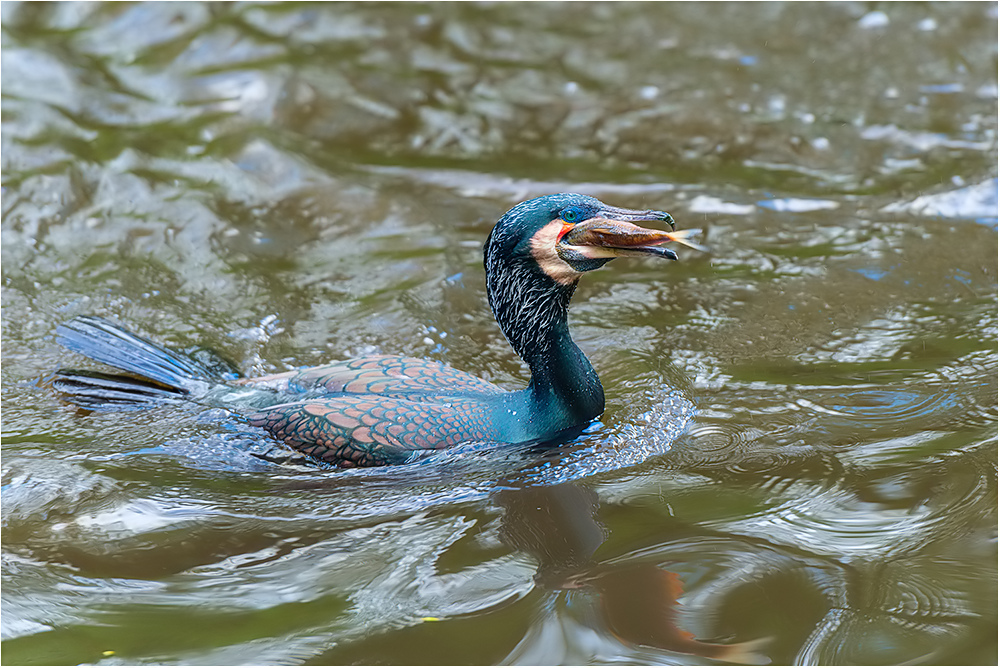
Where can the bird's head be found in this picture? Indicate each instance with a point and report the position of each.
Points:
(537, 252)
(566, 235)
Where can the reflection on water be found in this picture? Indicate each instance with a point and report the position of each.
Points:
(556, 525)
(798, 458)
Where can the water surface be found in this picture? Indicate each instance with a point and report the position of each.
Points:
(801, 435)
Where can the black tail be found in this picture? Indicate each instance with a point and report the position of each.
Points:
(164, 375)
(101, 391)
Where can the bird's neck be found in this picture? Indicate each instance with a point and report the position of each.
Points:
(531, 310)
(563, 383)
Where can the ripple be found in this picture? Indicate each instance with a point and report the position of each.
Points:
(46, 490)
(795, 205)
(978, 202)
(387, 573)
(847, 637)
(717, 441)
(832, 522)
(922, 601)
(881, 410)
(881, 405)
(776, 447)
(853, 519)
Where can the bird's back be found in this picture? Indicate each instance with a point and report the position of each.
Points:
(378, 410)
(380, 374)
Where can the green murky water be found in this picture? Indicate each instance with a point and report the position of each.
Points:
(801, 435)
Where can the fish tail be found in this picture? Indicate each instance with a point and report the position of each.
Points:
(745, 653)
(683, 237)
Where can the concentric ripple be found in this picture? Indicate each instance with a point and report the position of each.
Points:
(714, 442)
(876, 409)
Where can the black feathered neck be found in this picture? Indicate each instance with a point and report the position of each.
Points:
(531, 309)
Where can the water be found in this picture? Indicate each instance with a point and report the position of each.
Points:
(801, 435)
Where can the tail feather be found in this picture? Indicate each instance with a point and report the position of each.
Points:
(99, 391)
(104, 342)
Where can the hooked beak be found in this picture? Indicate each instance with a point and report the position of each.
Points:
(613, 233)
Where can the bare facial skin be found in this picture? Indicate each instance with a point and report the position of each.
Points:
(545, 252)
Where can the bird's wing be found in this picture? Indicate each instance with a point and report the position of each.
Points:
(381, 374)
(369, 430)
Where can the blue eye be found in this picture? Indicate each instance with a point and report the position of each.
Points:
(570, 215)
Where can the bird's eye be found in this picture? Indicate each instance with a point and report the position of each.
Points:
(570, 215)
